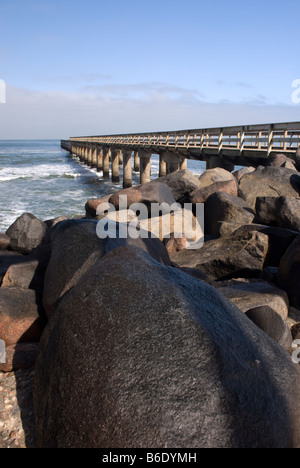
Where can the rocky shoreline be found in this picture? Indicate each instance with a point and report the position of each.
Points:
(146, 342)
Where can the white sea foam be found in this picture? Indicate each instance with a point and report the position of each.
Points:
(41, 171)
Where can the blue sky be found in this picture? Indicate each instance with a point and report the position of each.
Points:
(98, 67)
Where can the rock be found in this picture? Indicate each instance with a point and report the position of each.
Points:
(226, 229)
(294, 314)
(196, 273)
(27, 233)
(222, 207)
(212, 176)
(75, 248)
(121, 216)
(282, 211)
(279, 160)
(241, 256)
(181, 183)
(241, 172)
(20, 356)
(202, 194)
(157, 361)
(92, 205)
(152, 192)
(272, 324)
(290, 165)
(251, 293)
(289, 273)
(269, 182)
(4, 241)
(20, 319)
(174, 244)
(279, 240)
(54, 221)
(7, 259)
(297, 158)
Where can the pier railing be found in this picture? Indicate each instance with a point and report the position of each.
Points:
(224, 147)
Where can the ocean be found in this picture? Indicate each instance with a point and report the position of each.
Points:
(38, 177)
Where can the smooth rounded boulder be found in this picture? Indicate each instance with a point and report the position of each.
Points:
(163, 361)
(27, 233)
(75, 248)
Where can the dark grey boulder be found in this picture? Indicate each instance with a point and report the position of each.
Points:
(238, 257)
(269, 182)
(283, 212)
(27, 233)
(223, 207)
(289, 273)
(75, 248)
(161, 360)
(272, 324)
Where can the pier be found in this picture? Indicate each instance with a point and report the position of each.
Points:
(225, 147)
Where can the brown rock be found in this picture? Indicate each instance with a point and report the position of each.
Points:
(152, 192)
(92, 205)
(241, 256)
(212, 176)
(269, 182)
(174, 244)
(20, 320)
(181, 183)
(241, 172)
(202, 194)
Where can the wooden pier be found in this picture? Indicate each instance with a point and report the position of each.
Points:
(225, 147)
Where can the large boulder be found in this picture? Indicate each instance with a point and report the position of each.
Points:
(75, 248)
(279, 240)
(289, 273)
(279, 211)
(181, 183)
(269, 182)
(92, 205)
(202, 194)
(248, 294)
(152, 192)
(280, 160)
(240, 257)
(27, 233)
(216, 175)
(222, 207)
(20, 316)
(161, 360)
(241, 172)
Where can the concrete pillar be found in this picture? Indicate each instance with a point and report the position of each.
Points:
(136, 162)
(86, 155)
(100, 160)
(172, 161)
(115, 165)
(94, 156)
(183, 164)
(216, 161)
(120, 158)
(106, 163)
(90, 156)
(145, 166)
(127, 168)
(162, 166)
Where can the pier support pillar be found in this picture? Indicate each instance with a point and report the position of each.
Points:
(136, 162)
(162, 166)
(106, 163)
(86, 155)
(94, 156)
(120, 158)
(145, 166)
(127, 168)
(90, 156)
(100, 160)
(172, 161)
(183, 164)
(115, 165)
(216, 161)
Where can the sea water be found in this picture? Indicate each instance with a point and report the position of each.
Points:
(38, 177)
